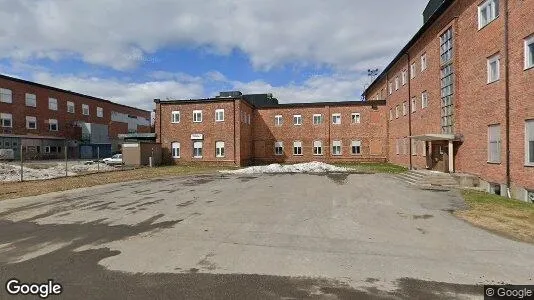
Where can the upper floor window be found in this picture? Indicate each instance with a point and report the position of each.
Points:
(397, 83)
(446, 46)
(404, 108)
(396, 112)
(336, 119)
(100, 112)
(493, 68)
(390, 87)
(355, 118)
(412, 70)
(175, 117)
(529, 52)
(403, 77)
(31, 100)
(423, 62)
(219, 115)
(31, 122)
(6, 120)
(52, 125)
(6, 95)
(424, 99)
(278, 120)
(197, 116)
(414, 104)
(390, 114)
(494, 143)
(317, 119)
(85, 109)
(297, 120)
(52, 103)
(487, 12)
(70, 107)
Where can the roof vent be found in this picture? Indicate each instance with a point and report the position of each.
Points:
(230, 94)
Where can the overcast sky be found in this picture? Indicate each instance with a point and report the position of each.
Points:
(132, 51)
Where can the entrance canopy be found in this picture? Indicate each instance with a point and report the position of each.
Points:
(436, 137)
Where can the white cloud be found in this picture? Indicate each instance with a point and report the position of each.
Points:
(346, 34)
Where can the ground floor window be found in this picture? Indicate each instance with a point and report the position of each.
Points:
(297, 148)
(494, 143)
(197, 149)
(356, 147)
(279, 148)
(336, 148)
(529, 137)
(317, 148)
(219, 149)
(175, 149)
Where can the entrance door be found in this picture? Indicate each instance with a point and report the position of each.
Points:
(438, 158)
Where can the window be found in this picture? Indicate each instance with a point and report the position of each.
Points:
(99, 112)
(175, 150)
(424, 99)
(297, 120)
(412, 71)
(219, 115)
(529, 52)
(52, 103)
(447, 82)
(396, 112)
(390, 114)
(317, 148)
(52, 125)
(529, 137)
(446, 46)
(175, 117)
(336, 119)
(493, 68)
(6, 95)
(530, 196)
(390, 88)
(279, 148)
(85, 109)
(404, 108)
(31, 122)
(404, 77)
(355, 118)
(219, 149)
(297, 148)
(278, 120)
(336, 148)
(487, 12)
(494, 143)
(405, 146)
(197, 116)
(70, 107)
(6, 120)
(248, 119)
(414, 104)
(317, 119)
(414, 147)
(397, 83)
(197, 149)
(31, 100)
(356, 147)
(47, 149)
(397, 144)
(423, 62)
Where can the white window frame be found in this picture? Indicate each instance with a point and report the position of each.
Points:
(4, 117)
(358, 145)
(52, 103)
(494, 140)
(6, 95)
(317, 148)
(397, 83)
(196, 114)
(278, 120)
(496, 61)
(337, 145)
(529, 57)
(493, 13)
(297, 120)
(404, 77)
(355, 118)
(414, 104)
(390, 87)
(175, 117)
(529, 137)
(424, 99)
(297, 148)
(390, 114)
(317, 119)
(176, 149)
(99, 112)
(85, 110)
(53, 122)
(219, 115)
(404, 108)
(413, 70)
(30, 100)
(279, 145)
(414, 147)
(398, 146)
(336, 116)
(30, 119)
(195, 144)
(71, 108)
(423, 62)
(397, 112)
(219, 149)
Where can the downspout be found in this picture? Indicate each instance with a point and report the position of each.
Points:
(507, 97)
(235, 151)
(388, 123)
(409, 75)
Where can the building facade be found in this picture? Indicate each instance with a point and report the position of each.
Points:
(460, 96)
(241, 130)
(44, 121)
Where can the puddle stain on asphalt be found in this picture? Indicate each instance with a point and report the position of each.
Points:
(424, 217)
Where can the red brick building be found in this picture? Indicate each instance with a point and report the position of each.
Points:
(460, 94)
(44, 120)
(244, 129)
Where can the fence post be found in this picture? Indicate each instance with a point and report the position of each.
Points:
(21, 164)
(66, 159)
(98, 159)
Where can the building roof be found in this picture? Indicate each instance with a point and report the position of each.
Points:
(68, 92)
(431, 20)
(330, 103)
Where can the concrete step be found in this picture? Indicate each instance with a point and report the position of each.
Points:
(428, 179)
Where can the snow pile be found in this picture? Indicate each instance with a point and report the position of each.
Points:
(91, 168)
(311, 167)
(10, 172)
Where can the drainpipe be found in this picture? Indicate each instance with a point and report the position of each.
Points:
(507, 96)
(389, 121)
(235, 151)
(409, 75)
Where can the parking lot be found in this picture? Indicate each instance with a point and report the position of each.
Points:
(256, 236)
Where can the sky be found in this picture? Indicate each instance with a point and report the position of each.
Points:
(133, 51)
